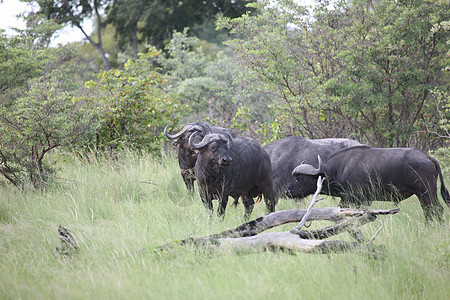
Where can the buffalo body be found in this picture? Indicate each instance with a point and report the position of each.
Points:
(233, 167)
(362, 174)
(185, 154)
(289, 152)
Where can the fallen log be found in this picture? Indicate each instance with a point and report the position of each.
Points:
(246, 238)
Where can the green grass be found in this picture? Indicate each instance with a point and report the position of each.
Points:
(119, 212)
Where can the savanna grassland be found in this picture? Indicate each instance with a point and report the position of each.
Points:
(121, 210)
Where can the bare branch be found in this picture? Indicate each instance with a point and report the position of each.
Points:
(308, 211)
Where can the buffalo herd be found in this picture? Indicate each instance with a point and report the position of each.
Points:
(225, 165)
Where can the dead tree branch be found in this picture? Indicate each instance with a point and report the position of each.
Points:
(246, 238)
(311, 205)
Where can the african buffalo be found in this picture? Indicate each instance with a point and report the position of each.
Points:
(233, 167)
(362, 174)
(289, 152)
(187, 156)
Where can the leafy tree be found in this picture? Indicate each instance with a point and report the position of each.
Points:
(207, 83)
(124, 16)
(17, 62)
(37, 110)
(135, 106)
(45, 118)
(347, 68)
(441, 96)
(154, 21)
(74, 12)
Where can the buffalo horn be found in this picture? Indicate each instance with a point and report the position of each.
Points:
(208, 139)
(176, 135)
(200, 145)
(201, 127)
(229, 139)
(305, 169)
(195, 126)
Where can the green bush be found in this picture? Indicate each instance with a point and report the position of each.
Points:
(134, 106)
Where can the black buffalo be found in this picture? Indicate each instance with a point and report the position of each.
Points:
(233, 167)
(362, 174)
(186, 155)
(289, 152)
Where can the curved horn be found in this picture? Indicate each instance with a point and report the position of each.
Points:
(320, 164)
(202, 127)
(230, 139)
(200, 145)
(306, 169)
(176, 135)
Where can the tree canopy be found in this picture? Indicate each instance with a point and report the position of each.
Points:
(154, 21)
(348, 68)
(136, 21)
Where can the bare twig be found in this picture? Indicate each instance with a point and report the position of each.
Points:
(374, 236)
(308, 211)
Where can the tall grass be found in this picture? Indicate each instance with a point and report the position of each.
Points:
(120, 210)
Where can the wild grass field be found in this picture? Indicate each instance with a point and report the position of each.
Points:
(120, 211)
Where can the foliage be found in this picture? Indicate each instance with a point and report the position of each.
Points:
(37, 110)
(347, 68)
(209, 84)
(154, 21)
(441, 96)
(46, 117)
(203, 82)
(73, 13)
(17, 63)
(89, 54)
(135, 106)
(120, 210)
(442, 101)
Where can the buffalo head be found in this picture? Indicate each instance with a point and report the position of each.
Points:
(214, 147)
(186, 155)
(305, 180)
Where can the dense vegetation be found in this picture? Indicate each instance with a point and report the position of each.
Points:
(82, 144)
(349, 68)
(373, 71)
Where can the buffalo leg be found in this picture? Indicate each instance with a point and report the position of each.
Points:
(431, 207)
(188, 178)
(248, 205)
(223, 201)
(269, 199)
(265, 187)
(206, 199)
